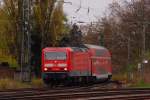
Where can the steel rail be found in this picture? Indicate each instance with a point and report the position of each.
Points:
(79, 94)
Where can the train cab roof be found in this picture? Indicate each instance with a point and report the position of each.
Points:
(83, 48)
(98, 50)
(89, 46)
(73, 49)
(55, 49)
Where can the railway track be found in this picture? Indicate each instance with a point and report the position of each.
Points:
(92, 94)
(82, 93)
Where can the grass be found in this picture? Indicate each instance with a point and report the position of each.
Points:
(120, 77)
(141, 84)
(14, 84)
(37, 83)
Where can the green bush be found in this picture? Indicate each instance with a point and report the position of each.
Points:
(12, 61)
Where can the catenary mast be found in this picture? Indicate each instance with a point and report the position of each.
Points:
(26, 40)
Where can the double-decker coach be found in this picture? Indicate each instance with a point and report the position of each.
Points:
(100, 62)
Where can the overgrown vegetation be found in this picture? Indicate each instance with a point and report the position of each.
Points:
(37, 83)
(48, 27)
(14, 84)
(125, 28)
(126, 24)
(141, 84)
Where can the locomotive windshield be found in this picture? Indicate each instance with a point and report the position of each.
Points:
(55, 56)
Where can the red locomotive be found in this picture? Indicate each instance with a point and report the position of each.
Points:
(75, 64)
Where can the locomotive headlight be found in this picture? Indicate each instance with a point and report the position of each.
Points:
(65, 69)
(62, 65)
(49, 65)
(45, 69)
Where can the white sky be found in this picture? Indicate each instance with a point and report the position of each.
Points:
(97, 8)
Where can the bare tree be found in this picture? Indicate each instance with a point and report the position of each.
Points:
(126, 31)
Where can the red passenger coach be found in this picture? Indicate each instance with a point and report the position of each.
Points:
(101, 62)
(75, 64)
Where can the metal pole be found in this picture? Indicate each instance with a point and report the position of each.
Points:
(22, 41)
(128, 51)
(144, 39)
(143, 36)
(26, 42)
(144, 29)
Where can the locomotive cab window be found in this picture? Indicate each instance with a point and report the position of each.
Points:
(55, 56)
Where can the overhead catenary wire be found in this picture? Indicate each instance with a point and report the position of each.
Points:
(80, 6)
